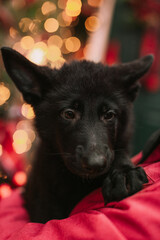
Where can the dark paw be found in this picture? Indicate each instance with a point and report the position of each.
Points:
(123, 183)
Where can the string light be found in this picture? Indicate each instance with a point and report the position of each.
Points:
(1, 150)
(24, 24)
(34, 26)
(73, 8)
(59, 63)
(13, 33)
(72, 44)
(92, 23)
(94, 3)
(65, 33)
(51, 25)
(20, 178)
(62, 4)
(54, 53)
(27, 42)
(27, 111)
(64, 20)
(21, 142)
(38, 53)
(5, 191)
(48, 7)
(26, 126)
(4, 94)
(55, 40)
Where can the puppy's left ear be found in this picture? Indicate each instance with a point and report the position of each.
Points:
(130, 73)
(29, 78)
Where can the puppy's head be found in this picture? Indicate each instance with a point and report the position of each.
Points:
(82, 110)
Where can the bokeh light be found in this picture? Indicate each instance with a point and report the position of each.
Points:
(73, 8)
(55, 40)
(27, 42)
(62, 4)
(4, 94)
(73, 44)
(35, 26)
(54, 53)
(21, 141)
(92, 23)
(38, 53)
(94, 3)
(59, 63)
(5, 190)
(20, 178)
(1, 150)
(13, 33)
(48, 7)
(24, 24)
(63, 19)
(51, 25)
(27, 111)
(26, 126)
(65, 33)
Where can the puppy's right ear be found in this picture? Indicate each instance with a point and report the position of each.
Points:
(27, 76)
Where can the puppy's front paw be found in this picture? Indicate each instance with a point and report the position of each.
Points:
(121, 183)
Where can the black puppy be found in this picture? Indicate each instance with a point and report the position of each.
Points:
(83, 115)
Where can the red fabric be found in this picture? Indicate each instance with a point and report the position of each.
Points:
(136, 217)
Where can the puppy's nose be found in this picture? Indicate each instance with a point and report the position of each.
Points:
(92, 161)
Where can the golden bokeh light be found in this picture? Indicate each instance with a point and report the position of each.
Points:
(38, 53)
(18, 48)
(27, 42)
(73, 8)
(55, 40)
(1, 150)
(59, 63)
(65, 33)
(62, 4)
(94, 3)
(48, 7)
(51, 25)
(72, 44)
(64, 20)
(24, 24)
(20, 136)
(4, 94)
(27, 111)
(34, 26)
(13, 33)
(21, 142)
(92, 23)
(25, 125)
(54, 53)
(31, 135)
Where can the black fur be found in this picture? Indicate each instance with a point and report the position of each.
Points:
(84, 120)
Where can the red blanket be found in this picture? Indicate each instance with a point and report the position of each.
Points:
(136, 217)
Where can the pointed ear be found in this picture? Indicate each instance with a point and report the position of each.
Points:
(27, 76)
(130, 73)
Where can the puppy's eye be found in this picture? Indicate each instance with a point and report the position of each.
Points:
(108, 116)
(68, 114)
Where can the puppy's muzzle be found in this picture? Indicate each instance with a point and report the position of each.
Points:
(95, 160)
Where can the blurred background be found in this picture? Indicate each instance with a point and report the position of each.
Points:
(52, 32)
